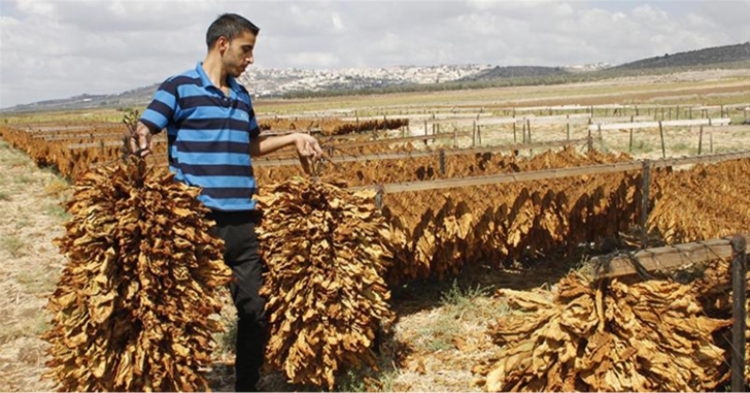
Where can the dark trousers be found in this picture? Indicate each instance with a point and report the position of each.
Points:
(237, 229)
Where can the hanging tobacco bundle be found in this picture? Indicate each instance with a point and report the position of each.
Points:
(325, 249)
(714, 289)
(132, 310)
(643, 337)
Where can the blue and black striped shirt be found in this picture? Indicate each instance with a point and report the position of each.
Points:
(209, 137)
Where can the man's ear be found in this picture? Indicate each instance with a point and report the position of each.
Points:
(222, 44)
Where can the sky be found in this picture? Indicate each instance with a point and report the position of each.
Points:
(61, 48)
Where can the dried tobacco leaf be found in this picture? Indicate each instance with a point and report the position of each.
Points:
(633, 338)
(133, 308)
(326, 252)
(713, 287)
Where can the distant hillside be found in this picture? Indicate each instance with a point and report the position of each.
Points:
(514, 72)
(140, 96)
(300, 83)
(719, 54)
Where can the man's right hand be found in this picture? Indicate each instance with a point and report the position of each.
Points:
(141, 142)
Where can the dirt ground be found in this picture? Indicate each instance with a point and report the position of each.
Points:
(30, 218)
(440, 333)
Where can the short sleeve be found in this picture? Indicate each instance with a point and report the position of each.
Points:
(160, 111)
(254, 128)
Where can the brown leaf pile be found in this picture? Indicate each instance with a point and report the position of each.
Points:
(496, 223)
(325, 252)
(705, 202)
(648, 336)
(71, 163)
(332, 126)
(714, 290)
(132, 309)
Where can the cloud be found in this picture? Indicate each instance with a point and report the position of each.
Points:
(59, 48)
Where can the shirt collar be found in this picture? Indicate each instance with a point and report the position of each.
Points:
(205, 82)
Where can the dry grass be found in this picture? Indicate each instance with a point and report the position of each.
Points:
(30, 269)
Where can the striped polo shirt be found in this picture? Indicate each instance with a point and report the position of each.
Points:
(209, 137)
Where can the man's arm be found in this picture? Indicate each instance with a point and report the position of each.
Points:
(307, 146)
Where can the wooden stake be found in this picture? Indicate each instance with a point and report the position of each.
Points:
(474, 134)
(630, 148)
(700, 141)
(739, 312)
(528, 127)
(663, 148)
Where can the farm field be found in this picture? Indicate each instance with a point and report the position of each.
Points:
(445, 306)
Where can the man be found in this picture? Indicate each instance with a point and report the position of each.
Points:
(212, 134)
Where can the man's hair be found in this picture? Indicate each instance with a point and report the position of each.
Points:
(229, 26)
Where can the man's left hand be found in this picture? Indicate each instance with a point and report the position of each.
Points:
(308, 150)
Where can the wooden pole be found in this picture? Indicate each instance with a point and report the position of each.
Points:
(441, 161)
(515, 138)
(644, 200)
(601, 136)
(528, 127)
(479, 134)
(474, 134)
(711, 141)
(663, 148)
(567, 127)
(630, 145)
(739, 313)
(700, 141)
(455, 137)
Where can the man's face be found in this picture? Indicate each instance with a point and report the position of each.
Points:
(239, 54)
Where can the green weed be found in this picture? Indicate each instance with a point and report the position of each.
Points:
(14, 245)
(54, 210)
